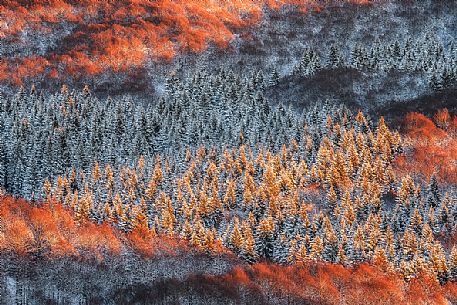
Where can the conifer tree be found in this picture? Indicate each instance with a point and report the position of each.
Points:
(331, 245)
(274, 78)
(317, 247)
(236, 238)
(3, 165)
(265, 237)
(359, 245)
(248, 252)
(380, 260)
(438, 263)
(433, 197)
(452, 263)
(335, 59)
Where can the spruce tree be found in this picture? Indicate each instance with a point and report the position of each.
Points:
(433, 192)
(335, 59)
(274, 78)
(3, 164)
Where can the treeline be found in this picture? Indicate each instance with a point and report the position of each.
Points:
(428, 55)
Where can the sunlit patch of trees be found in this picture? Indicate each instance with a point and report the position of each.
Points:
(262, 205)
(50, 230)
(80, 39)
(334, 284)
(99, 36)
(48, 235)
(432, 146)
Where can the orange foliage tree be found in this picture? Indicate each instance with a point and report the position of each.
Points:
(334, 284)
(429, 148)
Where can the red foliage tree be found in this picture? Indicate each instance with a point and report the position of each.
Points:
(429, 149)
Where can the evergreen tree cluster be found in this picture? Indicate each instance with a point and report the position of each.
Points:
(428, 55)
(336, 199)
(45, 136)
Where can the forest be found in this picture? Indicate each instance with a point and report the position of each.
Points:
(119, 35)
(166, 152)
